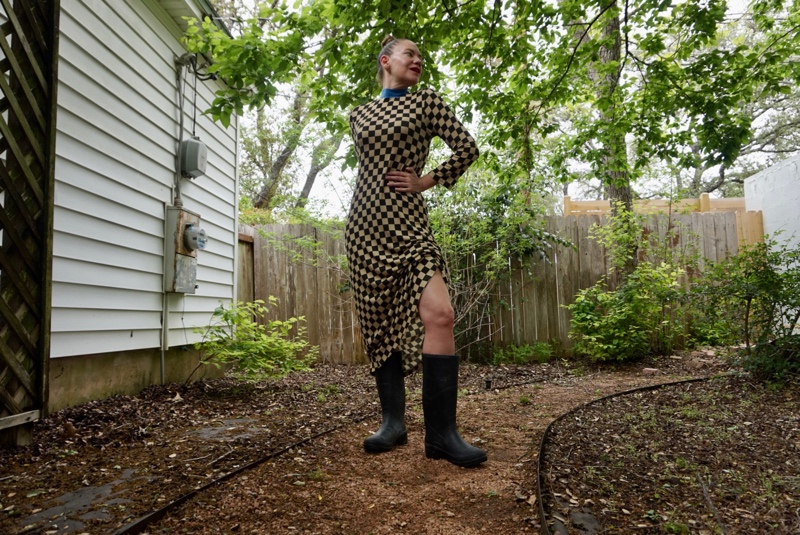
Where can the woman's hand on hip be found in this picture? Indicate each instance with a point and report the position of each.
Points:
(405, 181)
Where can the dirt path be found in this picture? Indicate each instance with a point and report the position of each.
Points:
(99, 467)
(332, 486)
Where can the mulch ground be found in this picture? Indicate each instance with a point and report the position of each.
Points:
(717, 456)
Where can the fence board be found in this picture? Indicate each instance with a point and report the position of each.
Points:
(584, 245)
(325, 333)
(502, 316)
(245, 291)
(517, 312)
(749, 227)
(548, 296)
(709, 238)
(554, 310)
(731, 239)
(565, 261)
(705, 203)
(531, 301)
(309, 290)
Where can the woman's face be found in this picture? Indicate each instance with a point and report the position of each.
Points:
(403, 67)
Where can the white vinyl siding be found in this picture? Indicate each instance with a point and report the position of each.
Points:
(118, 129)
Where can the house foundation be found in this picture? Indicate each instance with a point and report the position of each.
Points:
(79, 379)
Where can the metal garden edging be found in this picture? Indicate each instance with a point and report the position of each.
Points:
(545, 530)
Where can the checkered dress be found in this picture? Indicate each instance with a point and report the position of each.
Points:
(391, 250)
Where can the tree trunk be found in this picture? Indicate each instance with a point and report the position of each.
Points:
(615, 173)
(273, 179)
(321, 157)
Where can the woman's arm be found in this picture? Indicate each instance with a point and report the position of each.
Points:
(441, 122)
(444, 123)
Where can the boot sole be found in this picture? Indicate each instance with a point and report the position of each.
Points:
(435, 453)
(370, 447)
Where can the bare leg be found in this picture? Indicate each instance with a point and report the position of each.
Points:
(437, 315)
(440, 380)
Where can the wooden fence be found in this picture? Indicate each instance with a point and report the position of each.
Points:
(275, 260)
(705, 203)
(294, 264)
(537, 291)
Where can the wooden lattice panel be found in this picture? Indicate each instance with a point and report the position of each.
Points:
(27, 122)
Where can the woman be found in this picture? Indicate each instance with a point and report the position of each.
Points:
(397, 271)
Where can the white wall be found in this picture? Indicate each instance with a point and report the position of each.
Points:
(115, 157)
(776, 192)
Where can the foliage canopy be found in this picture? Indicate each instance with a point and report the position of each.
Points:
(678, 90)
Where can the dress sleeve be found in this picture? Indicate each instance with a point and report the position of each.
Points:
(353, 124)
(444, 124)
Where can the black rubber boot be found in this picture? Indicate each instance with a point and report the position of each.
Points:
(392, 393)
(439, 399)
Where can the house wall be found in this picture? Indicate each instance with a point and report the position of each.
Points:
(118, 131)
(776, 192)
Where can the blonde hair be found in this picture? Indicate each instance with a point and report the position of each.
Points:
(387, 46)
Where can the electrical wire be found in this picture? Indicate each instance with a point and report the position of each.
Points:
(194, 100)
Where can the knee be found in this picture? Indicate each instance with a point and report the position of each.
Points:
(439, 316)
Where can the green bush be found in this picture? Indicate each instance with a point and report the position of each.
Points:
(753, 298)
(776, 360)
(241, 336)
(645, 313)
(643, 316)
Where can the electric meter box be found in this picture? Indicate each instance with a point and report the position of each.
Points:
(184, 238)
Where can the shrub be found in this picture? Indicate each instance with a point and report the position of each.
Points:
(645, 314)
(753, 298)
(641, 317)
(241, 336)
(776, 360)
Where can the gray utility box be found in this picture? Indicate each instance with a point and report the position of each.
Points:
(184, 238)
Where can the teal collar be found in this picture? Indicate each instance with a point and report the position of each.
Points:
(391, 93)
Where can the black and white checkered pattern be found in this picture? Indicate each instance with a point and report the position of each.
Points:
(391, 250)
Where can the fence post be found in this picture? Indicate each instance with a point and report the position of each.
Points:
(705, 202)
